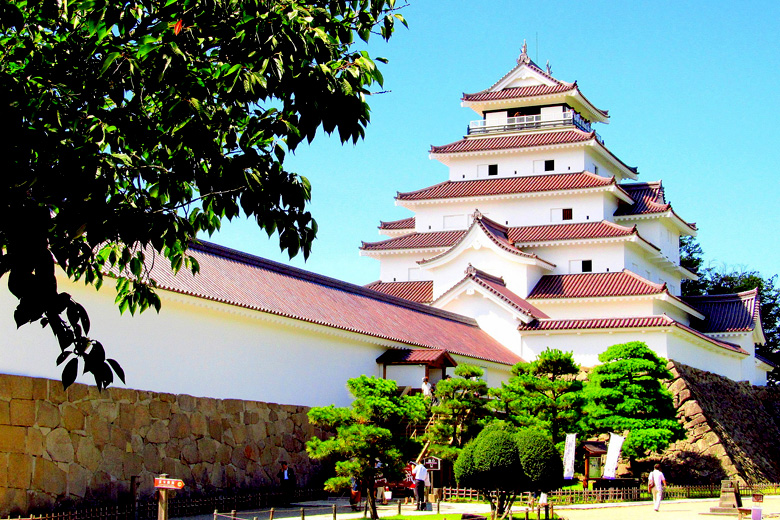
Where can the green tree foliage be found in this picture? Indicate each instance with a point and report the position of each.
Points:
(544, 394)
(460, 412)
(365, 433)
(501, 462)
(723, 280)
(132, 126)
(626, 394)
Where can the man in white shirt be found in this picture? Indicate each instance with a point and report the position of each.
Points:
(420, 473)
(657, 482)
(427, 389)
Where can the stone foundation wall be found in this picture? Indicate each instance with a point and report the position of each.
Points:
(60, 448)
(733, 429)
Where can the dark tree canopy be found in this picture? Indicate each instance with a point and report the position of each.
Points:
(626, 394)
(133, 126)
(544, 394)
(719, 279)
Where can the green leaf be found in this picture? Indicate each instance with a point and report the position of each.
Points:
(70, 372)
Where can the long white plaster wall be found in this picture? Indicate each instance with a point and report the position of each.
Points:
(587, 346)
(524, 211)
(401, 267)
(567, 309)
(512, 163)
(712, 360)
(606, 256)
(201, 348)
(516, 275)
(499, 323)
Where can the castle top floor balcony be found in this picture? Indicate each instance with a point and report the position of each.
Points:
(542, 121)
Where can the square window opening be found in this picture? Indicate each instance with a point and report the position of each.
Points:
(549, 165)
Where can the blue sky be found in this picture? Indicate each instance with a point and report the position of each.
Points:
(690, 88)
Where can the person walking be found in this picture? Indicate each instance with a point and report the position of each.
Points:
(286, 482)
(420, 473)
(656, 482)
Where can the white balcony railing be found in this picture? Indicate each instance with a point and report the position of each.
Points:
(513, 124)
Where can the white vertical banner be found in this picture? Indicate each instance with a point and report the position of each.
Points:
(568, 455)
(613, 454)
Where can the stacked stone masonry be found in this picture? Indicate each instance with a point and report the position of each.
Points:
(60, 448)
(732, 429)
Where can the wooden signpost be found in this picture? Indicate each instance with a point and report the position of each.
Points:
(164, 486)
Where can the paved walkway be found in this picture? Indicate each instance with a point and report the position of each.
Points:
(694, 509)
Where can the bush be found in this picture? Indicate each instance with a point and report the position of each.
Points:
(502, 462)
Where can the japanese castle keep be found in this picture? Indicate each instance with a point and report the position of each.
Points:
(545, 237)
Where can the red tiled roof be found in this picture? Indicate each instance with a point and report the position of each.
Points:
(623, 323)
(648, 198)
(420, 292)
(585, 230)
(431, 357)
(243, 280)
(504, 236)
(727, 312)
(497, 286)
(590, 285)
(505, 142)
(406, 223)
(436, 239)
(511, 185)
(518, 92)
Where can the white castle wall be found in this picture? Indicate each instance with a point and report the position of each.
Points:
(202, 348)
(513, 163)
(712, 360)
(612, 308)
(530, 211)
(402, 267)
(606, 257)
(498, 322)
(518, 277)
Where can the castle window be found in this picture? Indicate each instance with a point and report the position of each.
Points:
(487, 170)
(580, 266)
(561, 214)
(549, 165)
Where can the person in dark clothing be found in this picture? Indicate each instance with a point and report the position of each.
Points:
(286, 483)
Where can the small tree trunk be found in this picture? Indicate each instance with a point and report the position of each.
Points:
(371, 501)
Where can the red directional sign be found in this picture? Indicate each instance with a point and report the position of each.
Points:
(168, 483)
